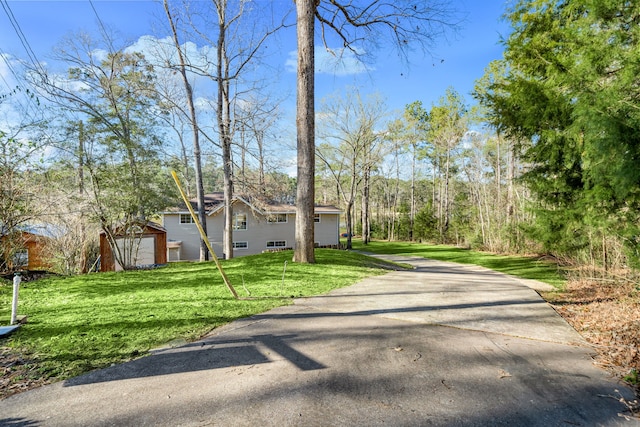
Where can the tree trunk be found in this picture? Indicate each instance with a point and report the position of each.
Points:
(349, 221)
(82, 263)
(261, 180)
(412, 211)
(204, 252)
(305, 127)
(224, 127)
(366, 221)
(447, 178)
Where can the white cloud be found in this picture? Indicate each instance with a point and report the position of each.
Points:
(162, 51)
(338, 62)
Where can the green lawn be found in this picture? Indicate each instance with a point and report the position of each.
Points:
(76, 324)
(525, 267)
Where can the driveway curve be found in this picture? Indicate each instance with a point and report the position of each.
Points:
(440, 345)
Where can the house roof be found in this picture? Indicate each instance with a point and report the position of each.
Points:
(214, 203)
(39, 230)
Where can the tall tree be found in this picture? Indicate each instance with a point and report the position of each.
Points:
(570, 89)
(351, 148)
(195, 129)
(447, 125)
(417, 125)
(360, 24)
(305, 130)
(114, 90)
(241, 32)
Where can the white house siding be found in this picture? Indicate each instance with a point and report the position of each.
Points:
(327, 230)
(188, 234)
(259, 231)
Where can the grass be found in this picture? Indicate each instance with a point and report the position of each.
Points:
(521, 266)
(77, 324)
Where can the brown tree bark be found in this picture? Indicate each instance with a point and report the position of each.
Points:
(305, 127)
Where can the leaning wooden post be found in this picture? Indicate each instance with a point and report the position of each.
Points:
(203, 235)
(14, 303)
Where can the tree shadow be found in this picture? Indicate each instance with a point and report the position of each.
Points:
(202, 356)
(18, 422)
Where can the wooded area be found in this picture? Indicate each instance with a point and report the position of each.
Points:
(544, 162)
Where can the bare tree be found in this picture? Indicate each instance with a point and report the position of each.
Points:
(182, 67)
(352, 145)
(359, 25)
(239, 40)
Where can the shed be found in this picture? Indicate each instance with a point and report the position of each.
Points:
(27, 249)
(152, 249)
(35, 245)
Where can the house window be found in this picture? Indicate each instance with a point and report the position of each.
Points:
(276, 244)
(186, 219)
(240, 221)
(316, 218)
(240, 245)
(21, 258)
(277, 218)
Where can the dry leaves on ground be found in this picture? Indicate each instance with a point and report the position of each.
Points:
(17, 374)
(607, 315)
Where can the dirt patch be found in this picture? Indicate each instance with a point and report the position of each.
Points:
(607, 315)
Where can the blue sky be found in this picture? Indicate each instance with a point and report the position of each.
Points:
(456, 62)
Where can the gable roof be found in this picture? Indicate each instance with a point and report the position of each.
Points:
(214, 204)
(150, 225)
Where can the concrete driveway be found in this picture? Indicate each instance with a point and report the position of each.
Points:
(442, 345)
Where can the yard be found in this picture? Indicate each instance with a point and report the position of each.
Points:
(78, 324)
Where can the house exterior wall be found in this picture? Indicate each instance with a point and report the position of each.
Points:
(36, 250)
(259, 231)
(187, 233)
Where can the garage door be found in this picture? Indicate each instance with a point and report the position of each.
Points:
(145, 255)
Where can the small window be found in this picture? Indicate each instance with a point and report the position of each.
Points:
(276, 244)
(240, 221)
(240, 245)
(186, 219)
(21, 258)
(316, 218)
(277, 218)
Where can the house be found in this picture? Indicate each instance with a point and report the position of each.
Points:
(27, 249)
(257, 227)
(148, 240)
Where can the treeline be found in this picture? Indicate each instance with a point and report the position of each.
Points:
(432, 174)
(557, 169)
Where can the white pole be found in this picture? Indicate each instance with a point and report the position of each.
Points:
(14, 305)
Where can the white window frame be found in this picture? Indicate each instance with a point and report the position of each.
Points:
(186, 219)
(237, 227)
(244, 245)
(273, 244)
(277, 218)
(316, 218)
